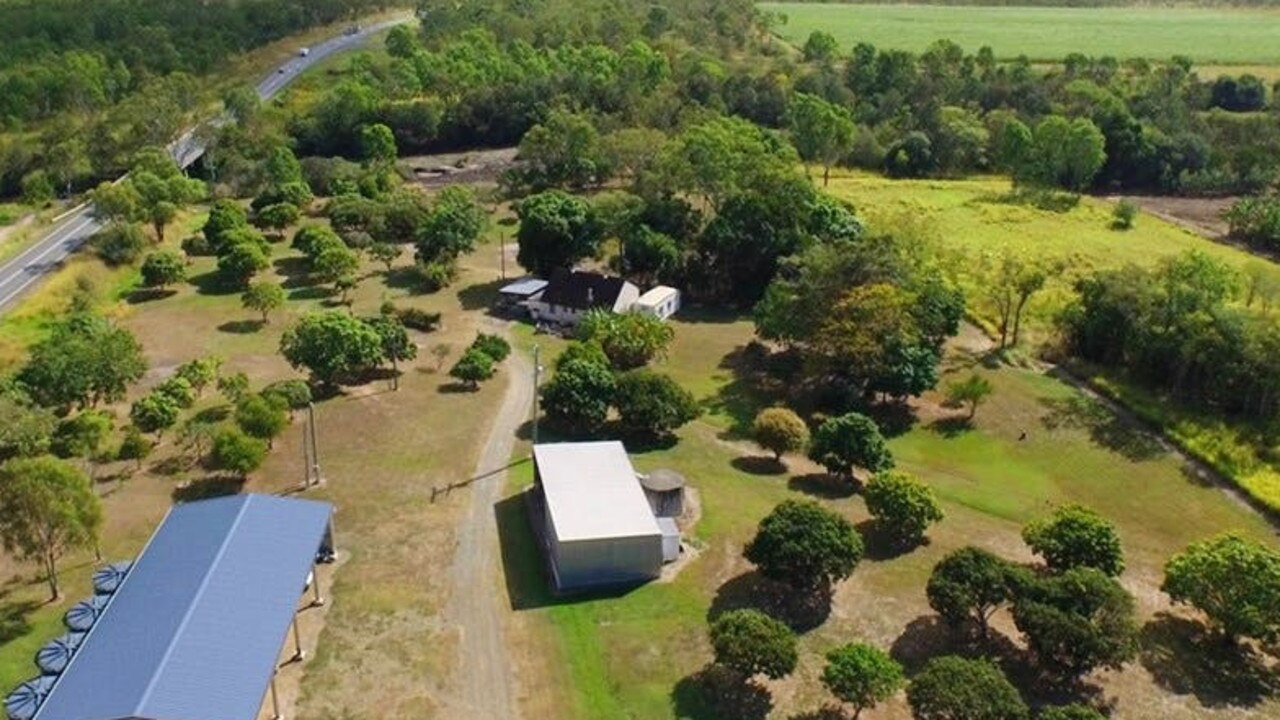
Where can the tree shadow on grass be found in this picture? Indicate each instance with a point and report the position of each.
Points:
(880, 547)
(212, 486)
(1104, 427)
(823, 485)
(801, 611)
(457, 388)
(143, 295)
(310, 292)
(480, 296)
(714, 693)
(758, 465)
(1185, 658)
(928, 636)
(293, 268)
(15, 619)
(241, 327)
(753, 386)
(826, 712)
(951, 427)
(214, 283)
(894, 418)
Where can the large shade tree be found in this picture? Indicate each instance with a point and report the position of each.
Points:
(47, 507)
(1233, 580)
(806, 546)
(332, 345)
(556, 231)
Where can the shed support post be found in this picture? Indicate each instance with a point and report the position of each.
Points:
(318, 599)
(299, 655)
(275, 700)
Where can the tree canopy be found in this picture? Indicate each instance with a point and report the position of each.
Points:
(1235, 582)
(47, 507)
(1075, 536)
(752, 643)
(805, 546)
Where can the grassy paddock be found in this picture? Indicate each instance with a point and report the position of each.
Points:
(967, 217)
(635, 655)
(1222, 36)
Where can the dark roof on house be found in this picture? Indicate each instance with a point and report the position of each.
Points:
(582, 290)
(195, 630)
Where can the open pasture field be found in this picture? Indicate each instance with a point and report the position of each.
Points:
(1219, 36)
(974, 217)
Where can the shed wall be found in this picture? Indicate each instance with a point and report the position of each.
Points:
(606, 561)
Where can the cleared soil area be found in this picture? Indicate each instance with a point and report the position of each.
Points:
(1199, 215)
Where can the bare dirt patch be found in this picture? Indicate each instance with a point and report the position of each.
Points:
(473, 166)
(1202, 216)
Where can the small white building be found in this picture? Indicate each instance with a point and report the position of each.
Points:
(569, 295)
(598, 527)
(661, 302)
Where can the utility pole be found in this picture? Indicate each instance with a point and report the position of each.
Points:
(313, 477)
(502, 253)
(537, 369)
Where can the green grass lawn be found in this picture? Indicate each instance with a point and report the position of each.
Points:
(969, 218)
(632, 656)
(1224, 36)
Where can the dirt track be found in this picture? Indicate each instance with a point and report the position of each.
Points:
(483, 671)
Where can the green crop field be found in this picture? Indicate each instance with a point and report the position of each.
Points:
(1224, 36)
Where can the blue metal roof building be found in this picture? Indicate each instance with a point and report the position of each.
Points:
(195, 630)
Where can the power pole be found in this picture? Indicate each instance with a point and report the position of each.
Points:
(537, 369)
(313, 476)
(502, 253)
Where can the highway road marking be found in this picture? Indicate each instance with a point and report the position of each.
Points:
(55, 245)
(21, 258)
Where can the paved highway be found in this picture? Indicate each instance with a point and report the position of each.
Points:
(20, 274)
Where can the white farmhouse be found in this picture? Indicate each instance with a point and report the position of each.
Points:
(569, 295)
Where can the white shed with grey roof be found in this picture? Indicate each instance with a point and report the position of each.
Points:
(599, 528)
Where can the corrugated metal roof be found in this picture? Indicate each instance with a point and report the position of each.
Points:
(196, 628)
(524, 287)
(592, 491)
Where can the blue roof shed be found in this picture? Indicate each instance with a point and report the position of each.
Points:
(195, 630)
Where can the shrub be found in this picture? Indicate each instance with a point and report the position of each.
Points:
(953, 688)
(653, 404)
(119, 243)
(495, 347)
(1124, 216)
(749, 642)
(290, 394)
(236, 452)
(261, 418)
(154, 413)
(780, 431)
(1075, 536)
(862, 675)
(848, 441)
(1076, 622)
(473, 367)
(197, 246)
(164, 268)
(902, 506)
